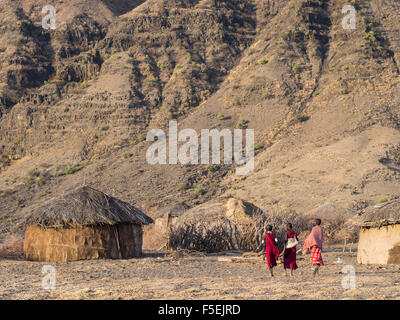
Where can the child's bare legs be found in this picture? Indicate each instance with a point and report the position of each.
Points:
(271, 271)
(316, 270)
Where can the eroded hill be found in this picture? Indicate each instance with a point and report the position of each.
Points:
(77, 102)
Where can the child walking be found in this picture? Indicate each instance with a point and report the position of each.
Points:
(271, 250)
(289, 255)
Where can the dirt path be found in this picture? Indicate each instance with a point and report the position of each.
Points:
(196, 277)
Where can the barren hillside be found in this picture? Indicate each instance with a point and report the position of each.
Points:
(77, 102)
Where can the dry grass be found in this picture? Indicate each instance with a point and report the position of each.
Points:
(194, 276)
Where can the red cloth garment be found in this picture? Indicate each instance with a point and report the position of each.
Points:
(271, 250)
(289, 256)
(314, 239)
(316, 256)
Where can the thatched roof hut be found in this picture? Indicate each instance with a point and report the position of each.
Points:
(380, 235)
(84, 224)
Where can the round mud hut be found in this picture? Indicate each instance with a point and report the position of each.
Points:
(379, 241)
(84, 224)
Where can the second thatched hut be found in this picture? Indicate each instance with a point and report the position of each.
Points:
(379, 241)
(84, 224)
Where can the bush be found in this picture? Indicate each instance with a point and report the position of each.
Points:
(302, 118)
(127, 155)
(258, 146)
(220, 116)
(235, 102)
(296, 68)
(67, 171)
(383, 200)
(199, 191)
(242, 124)
(262, 61)
(183, 186)
(35, 177)
(370, 36)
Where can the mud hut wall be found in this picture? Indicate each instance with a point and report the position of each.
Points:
(80, 243)
(379, 245)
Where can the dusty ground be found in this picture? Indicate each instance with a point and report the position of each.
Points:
(158, 276)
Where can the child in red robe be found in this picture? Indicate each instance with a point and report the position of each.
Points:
(314, 244)
(271, 250)
(289, 255)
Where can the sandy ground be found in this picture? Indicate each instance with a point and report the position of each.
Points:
(197, 276)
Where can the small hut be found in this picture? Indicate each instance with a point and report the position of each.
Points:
(84, 224)
(379, 241)
(155, 236)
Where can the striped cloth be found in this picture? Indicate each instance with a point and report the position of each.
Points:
(316, 256)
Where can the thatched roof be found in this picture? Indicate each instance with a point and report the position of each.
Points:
(85, 206)
(382, 215)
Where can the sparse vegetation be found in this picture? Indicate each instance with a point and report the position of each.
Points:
(302, 118)
(127, 155)
(242, 123)
(235, 102)
(296, 68)
(262, 61)
(34, 177)
(183, 187)
(199, 191)
(84, 85)
(67, 171)
(383, 200)
(370, 36)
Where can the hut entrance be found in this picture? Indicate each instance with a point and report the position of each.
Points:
(125, 239)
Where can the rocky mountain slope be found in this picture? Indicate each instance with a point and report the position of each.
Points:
(77, 102)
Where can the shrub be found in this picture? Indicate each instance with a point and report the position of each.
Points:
(302, 118)
(84, 85)
(262, 61)
(199, 191)
(220, 116)
(66, 171)
(242, 123)
(183, 186)
(210, 168)
(296, 68)
(235, 102)
(258, 146)
(34, 177)
(370, 36)
(383, 200)
(127, 155)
